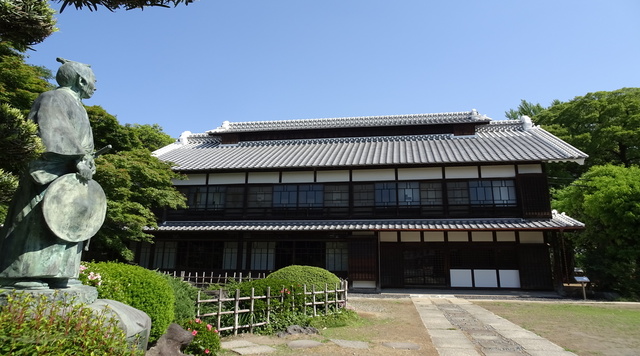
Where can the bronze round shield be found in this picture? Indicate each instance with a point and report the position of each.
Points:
(73, 209)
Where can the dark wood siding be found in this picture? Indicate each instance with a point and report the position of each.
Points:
(363, 260)
(535, 267)
(534, 195)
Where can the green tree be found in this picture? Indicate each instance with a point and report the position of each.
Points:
(605, 125)
(607, 198)
(525, 108)
(117, 4)
(24, 23)
(20, 84)
(136, 183)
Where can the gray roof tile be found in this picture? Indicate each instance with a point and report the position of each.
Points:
(557, 222)
(498, 141)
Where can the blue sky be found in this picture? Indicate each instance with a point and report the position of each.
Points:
(192, 67)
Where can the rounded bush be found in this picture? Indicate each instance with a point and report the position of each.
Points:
(138, 287)
(309, 275)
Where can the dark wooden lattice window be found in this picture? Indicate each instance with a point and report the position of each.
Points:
(534, 195)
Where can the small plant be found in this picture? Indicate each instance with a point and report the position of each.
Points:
(185, 298)
(206, 339)
(42, 325)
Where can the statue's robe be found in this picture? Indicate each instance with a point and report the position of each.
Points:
(28, 248)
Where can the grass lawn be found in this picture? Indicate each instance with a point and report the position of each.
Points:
(611, 329)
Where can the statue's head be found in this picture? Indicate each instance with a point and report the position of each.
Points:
(77, 76)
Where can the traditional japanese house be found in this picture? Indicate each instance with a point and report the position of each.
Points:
(431, 200)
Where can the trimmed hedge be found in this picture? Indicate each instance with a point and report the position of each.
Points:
(138, 287)
(309, 275)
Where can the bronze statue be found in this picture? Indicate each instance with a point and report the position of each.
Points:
(57, 206)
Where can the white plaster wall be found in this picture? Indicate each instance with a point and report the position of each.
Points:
(458, 236)
(373, 175)
(419, 173)
(529, 168)
(481, 236)
(460, 172)
(410, 236)
(505, 236)
(531, 237)
(509, 278)
(193, 179)
(297, 177)
(498, 171)
(364, 284)
(388, 236)
(332, 176)
(264, 177)
(434, 236)
(226, 178)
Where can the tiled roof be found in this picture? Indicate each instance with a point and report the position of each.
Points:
(498, 141)
(344, 122)
(557, 222)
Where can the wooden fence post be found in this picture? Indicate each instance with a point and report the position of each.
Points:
(235, 312)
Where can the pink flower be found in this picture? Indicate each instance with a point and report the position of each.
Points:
(198, 320)
(194, 332)
(206, 351)
(209, 327)
(83, 267)
(215, 331)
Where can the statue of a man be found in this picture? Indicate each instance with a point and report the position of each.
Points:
(34, 254)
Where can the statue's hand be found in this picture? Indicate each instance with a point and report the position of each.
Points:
(86, 167)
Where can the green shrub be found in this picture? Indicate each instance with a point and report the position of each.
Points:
(185, 298)
(206, 339)
(138, 287)
(309, 275)
(339, 318)
(40, 325)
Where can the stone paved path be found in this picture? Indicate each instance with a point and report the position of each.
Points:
(459, 328)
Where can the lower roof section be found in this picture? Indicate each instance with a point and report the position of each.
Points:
(556, 222)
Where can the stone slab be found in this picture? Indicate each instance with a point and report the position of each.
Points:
(538, 345)
(350, 344)
(452, 342)
(458, 352)
(254, 350)
(303, 344)
(236, 343)
(402, 345)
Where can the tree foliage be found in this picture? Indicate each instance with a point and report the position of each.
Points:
(136, 183)
(605, 125)
(525, 108)
(24, 23)
(607, 199)
(117, 4)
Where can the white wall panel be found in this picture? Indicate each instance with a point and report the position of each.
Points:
(458, 236)
(482, 236)
(226, 178)
(388, 236)
(505, 236)
(529, 168)
(461, 278)
(193, 179)
(509, 278)
(460, 172)
(264, 177)
(297, 177)
(373, 175)
(497, 171)
(332, 176)
(410, 236)
(531, 237)
(419, 173)
(485, 278)
(434, 236)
